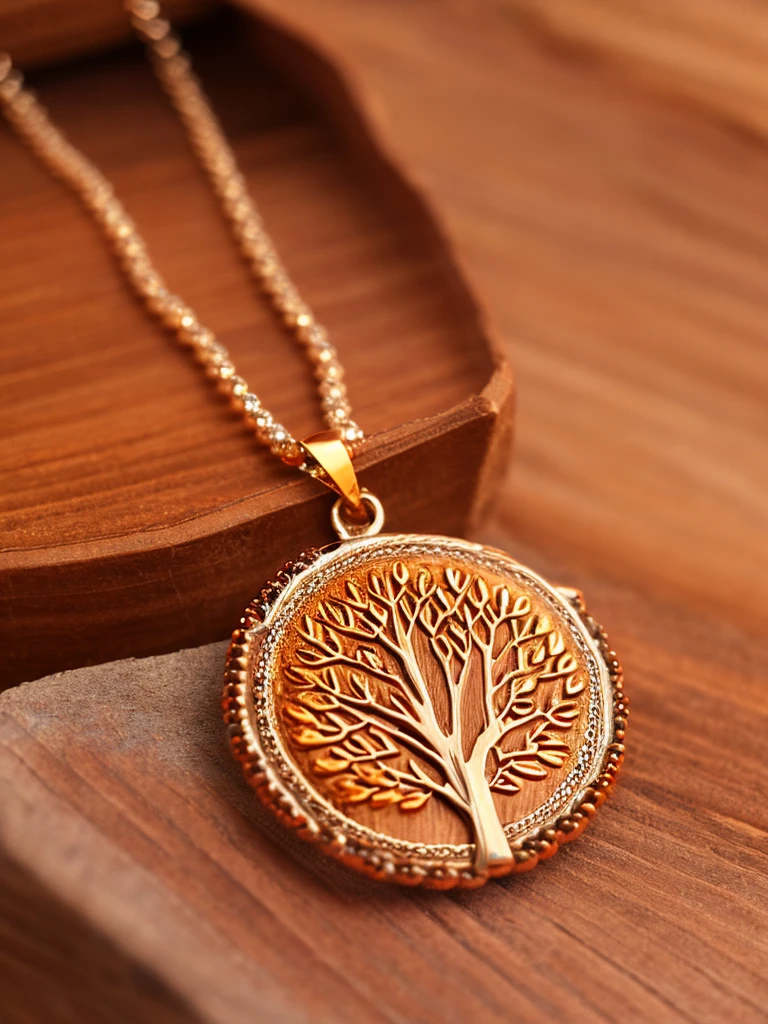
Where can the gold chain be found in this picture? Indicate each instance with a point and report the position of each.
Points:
(30, 120)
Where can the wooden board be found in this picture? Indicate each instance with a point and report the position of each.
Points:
(43, 31)
(137, 514)
(619, 233)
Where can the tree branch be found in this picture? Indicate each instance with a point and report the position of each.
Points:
(335, 658)
(418, 777)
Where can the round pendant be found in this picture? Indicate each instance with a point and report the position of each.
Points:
(426, 709)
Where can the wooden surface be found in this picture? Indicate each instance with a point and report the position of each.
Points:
(136, 510)
(611, 206)
(43, 31)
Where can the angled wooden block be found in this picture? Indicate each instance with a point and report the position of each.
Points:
(137, 514)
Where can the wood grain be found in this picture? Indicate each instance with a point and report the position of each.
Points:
(620, 239)
(44, 31)
(618, 232)
(137, 514)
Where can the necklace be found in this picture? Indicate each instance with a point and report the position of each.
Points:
(426, 709)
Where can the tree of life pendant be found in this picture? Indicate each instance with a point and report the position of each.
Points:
(426, 709)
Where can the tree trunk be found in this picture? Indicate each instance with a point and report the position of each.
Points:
(491, 845)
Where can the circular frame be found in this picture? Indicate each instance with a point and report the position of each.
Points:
(250, 714)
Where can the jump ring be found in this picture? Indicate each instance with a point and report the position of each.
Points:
(350, 531)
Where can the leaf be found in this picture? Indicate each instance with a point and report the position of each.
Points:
(428, 618)
(361, 745)
(375, 775)
(375, 584)
(357, 685)
(543, 625)
(566, 664)
(332, 679)
(368, 656)
(553, 758)
(318, 701)
(388, 745)
(567, 709)
(555, 644)
(521, 708)
(573, 685)
(505, 785)
(442, 646)
(457, 580)
(562, 715)
(385, 797)
(414, 801)
(300, 714)
(400, 572)
(354, 594)
(539, 655)
(309, 656)
(350, 792)
(537, 733)
(479, 594)
(330, 765)
(521, 606)
(528, 685)
(501, 597)
(335, 612)
(333, 640)
(526, 770)
(423, 581)
(549, 743)
(308, 738)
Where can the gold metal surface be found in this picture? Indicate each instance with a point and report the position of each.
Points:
(328, 450)
(429, 710)
(369, 527)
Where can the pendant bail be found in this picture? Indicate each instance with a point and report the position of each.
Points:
(327, 450)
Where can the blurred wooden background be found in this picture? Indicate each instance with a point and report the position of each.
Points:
(601, 169)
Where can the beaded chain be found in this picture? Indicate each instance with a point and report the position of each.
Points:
(30, 120)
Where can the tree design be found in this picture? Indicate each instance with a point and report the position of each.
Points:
(418, 684)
